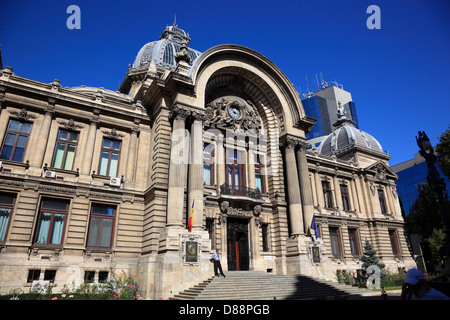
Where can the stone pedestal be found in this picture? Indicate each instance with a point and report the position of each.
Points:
(181, 262)
(307, 256)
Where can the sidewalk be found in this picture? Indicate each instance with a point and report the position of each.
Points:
(376, 295)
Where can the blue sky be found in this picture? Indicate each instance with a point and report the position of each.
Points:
(399, 75)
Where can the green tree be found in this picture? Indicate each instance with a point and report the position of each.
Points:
(435, 243)
(425, 219)
(425, 214)
(368, 259)
(443, 149)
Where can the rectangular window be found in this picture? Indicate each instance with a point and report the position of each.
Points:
(89, 276)
(327, 194)
(33, 275)
(353, 238)
(209, 226)
(109, 158)
(394, 242)
(103, 276)
(101, 226)
(7, 202)
(382, 201)
(345, 197)
(334, 241)
(50, 275)
(265, 237)
(259, 173)
(51, 222)
(235, 170)
(16, 139)
(208, 164)
(66, 145)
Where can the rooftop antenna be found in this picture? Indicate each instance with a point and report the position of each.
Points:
(175, 20)
(323, 84)
(308, 93)
(1, 62)
(317, 83)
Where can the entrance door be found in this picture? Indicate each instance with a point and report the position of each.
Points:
(237, 242)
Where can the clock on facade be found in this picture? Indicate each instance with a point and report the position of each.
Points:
(234, 112)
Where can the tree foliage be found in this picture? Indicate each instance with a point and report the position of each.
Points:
(425, 214)
(370, 257)
(443, 149)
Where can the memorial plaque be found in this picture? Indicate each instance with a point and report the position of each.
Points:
(191, 251)
(316, 254)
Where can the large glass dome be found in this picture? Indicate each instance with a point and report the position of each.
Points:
(162, 52)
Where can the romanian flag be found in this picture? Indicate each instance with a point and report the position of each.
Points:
(191, 217)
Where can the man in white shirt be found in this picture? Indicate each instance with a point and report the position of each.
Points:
(217, 265)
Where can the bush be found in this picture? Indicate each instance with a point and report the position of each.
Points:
(391, 280)
(124, 287)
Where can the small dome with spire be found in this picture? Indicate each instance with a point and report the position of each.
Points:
(346, 136)
(163, 51)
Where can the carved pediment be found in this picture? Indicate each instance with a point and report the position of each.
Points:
(232, 112)
(382, 171)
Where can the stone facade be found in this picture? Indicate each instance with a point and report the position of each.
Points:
(223, 137)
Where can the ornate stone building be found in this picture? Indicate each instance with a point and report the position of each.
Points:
(94, 181)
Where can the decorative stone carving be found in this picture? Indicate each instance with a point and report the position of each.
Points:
(70, 125)
(22, 114)
(183, 54)
(179, 113)
(113, 134)
(380, 172)
(232, 112)
(394, 192)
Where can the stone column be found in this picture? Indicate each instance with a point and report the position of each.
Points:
(177, 170)
(131, 162)
(195, 184)
(220, 161)
(293, 186)
(251, 166)
(354, 195)
(337, 193)
(41, 144)
(363, 195)
(319, 191)
(305, 186)
(89, 146)
(388, 196)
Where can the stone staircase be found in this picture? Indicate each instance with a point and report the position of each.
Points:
(258, 285)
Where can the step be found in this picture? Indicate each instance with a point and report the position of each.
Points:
(258, 285)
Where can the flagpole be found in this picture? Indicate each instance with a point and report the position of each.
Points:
(191, 217)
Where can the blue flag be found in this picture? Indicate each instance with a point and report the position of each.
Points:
(314, 226)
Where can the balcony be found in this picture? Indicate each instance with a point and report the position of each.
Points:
(241, 191)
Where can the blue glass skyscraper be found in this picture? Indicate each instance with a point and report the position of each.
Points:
(411, 174)
(322, 106)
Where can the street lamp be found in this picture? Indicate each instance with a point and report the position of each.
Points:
(436, 183)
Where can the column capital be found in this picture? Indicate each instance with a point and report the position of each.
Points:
(198, 115)
(179, 113)
(293, 142)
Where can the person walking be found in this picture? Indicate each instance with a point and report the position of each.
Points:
(217, 265)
